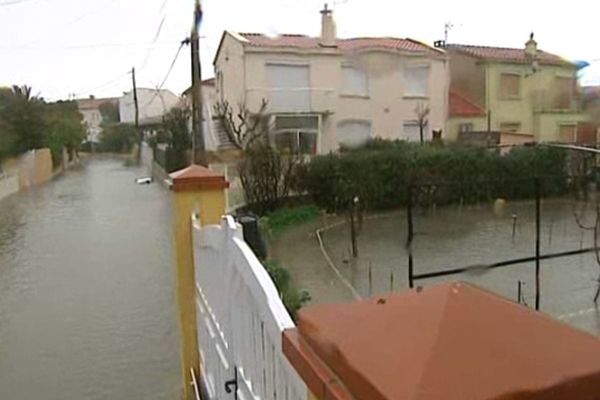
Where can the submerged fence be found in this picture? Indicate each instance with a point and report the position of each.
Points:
(525, 200)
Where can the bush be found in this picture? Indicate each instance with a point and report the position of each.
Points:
(381, 173)
(277, 221)
(118, 138)
(293, 298)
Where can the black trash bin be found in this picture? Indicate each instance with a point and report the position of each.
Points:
(252, 235)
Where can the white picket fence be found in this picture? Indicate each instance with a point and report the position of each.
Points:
(240, 320)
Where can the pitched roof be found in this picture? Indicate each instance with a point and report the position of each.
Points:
(307, 42)
(512, 55)
(92, 104)
(460, 106)
(451, 341)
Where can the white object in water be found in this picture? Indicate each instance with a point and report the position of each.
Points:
(143, 181)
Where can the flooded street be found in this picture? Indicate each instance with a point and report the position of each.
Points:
(87, 306)
(452, 237)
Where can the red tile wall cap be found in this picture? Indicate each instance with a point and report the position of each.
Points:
(197, 177)
(452, 341)
(320, 380)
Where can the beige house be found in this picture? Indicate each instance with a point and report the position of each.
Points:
(524, 91)
(324, 92)
(92, 117)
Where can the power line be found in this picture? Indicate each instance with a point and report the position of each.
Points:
(13, 2)
(151, 49)
(183, 42)
(106, 84)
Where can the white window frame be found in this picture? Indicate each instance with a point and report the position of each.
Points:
(317, 131)
(348, 92)
(406, 79)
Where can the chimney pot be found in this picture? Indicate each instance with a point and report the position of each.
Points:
(531, 46)
(328, 34)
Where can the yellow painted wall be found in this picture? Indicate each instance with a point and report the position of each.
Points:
(210, 206)
(32, 168)
(543, 125)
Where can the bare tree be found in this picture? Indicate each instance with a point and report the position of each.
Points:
(242, 126)
(422, 113)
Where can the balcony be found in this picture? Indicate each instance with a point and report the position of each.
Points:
(292, 100)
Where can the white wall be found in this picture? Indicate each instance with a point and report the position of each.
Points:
(150, 104)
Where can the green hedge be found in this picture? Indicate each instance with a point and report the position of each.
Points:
(381, 173)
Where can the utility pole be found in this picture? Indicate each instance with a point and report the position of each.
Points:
(198, 150)
(137, 117)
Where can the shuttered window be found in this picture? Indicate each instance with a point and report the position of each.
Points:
(416, 81)
(353, 133)
(411, 132)
(567, 133)
(354, 81)
(289, 87)
(564, 88)
(510, 86)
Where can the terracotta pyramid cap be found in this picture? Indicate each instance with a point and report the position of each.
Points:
(197, 177)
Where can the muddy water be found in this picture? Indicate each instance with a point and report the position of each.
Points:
(453, 237)
(86, 298)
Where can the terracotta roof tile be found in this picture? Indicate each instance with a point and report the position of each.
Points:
(451, 341)
(307, 42)
(512, 55)
(460, 106)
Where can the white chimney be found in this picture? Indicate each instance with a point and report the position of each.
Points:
(531, 46)
(327, 28)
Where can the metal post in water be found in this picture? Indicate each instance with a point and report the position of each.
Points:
(409, 238)
(514, 225)
(370, 278)
(353, 227)
(537, 242)
(391, 281)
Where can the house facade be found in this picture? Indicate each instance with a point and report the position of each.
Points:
(324, 92)
(152, 105)
(92, 117)
(522, 91)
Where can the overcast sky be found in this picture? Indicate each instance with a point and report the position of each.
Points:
(61, 47)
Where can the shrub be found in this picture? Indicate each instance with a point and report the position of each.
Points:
(277, 221)
(293, 298)
(381, 173)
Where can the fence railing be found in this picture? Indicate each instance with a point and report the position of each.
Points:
(240, 320)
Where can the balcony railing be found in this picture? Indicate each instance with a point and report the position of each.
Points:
(292, 100)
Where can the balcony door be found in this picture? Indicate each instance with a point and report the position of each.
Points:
(288, 87)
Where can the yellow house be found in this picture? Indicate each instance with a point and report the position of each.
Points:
(324, 92)
(522, 91)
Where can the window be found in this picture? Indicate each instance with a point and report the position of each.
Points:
(567, 133)
(510, 127)
(510, 86)
(353, 133)
(466, 127)
(297, 133)
(416, 81)
(564, 90)
(289, 88)
(354, 81)
(410, 131)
